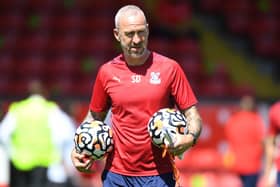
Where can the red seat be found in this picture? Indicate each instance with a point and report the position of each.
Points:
(238, 15)
(192, 66)
(238, 6)
(62, 67)
(63, 43)
(238, 23)
(41, 5)
(160, 45)
(171, 13)
(71, 87)
(4, 86)
(217, 85)
(61, 87)
(9, 42)
(98, 23)
(6, 65)
(264, 25)
(31, 43)
(18, 87)
(267, 46)
(66, 22)
(186, 46)
(30, 67)
(11, 3)
(97, 5)
(210, 6)
(96, 44)
(83, 87)
(12, 21)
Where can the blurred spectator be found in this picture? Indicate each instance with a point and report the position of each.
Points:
(272, 146)
(37, 136)
(245, 133)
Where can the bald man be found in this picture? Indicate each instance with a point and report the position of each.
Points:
(135, 85)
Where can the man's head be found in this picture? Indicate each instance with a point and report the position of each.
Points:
(247, 102)
(131, 30)
(37, 87)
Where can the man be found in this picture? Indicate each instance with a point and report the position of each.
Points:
(245, 133)
(37, 135)
(136, 84)
(272, 157)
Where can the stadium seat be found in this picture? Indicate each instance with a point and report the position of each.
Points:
(97, 23)
(160, 45)
(67, 22)
(85, 5)
(70, 87)
(210, 6)
(61, 87)
(173, 13)
(213, 87)
(238, 23)
(4, 86)
(183, 46)
(6, 65)
(18, 88)
(264, 25)
(192, 66)
(11, 21)
(32, 43)
(238, 15)
(266, 46)
(83, 87)
(41, 5)
(96, 44)
(62, 67)
(9, 41)
(30, 67)
(63, 43)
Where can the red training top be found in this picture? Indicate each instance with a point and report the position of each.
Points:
(245, 132)
(274, 127)
(135, 93)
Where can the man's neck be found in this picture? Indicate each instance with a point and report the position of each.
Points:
(137, 61)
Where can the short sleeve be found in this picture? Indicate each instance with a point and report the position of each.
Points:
(181, 89)
(99, 97)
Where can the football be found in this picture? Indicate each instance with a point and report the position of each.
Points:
(165, 124)
(95, 139)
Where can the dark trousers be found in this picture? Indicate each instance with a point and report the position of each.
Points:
(36, 177)
(249, 180)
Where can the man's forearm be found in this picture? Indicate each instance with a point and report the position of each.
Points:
(194, 120)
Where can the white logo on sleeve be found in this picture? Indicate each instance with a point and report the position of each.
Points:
(155, 78)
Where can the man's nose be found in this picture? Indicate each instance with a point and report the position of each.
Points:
(136, 39)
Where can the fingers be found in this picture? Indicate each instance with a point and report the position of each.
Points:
(182, 143)
(177, 150)
(84, 165)
(82, 162)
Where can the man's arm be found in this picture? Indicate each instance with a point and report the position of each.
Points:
(91, 116)
(269, 154)
(184, 142)
(194, 121)
(82, 162)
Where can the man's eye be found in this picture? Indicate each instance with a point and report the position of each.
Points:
(141, 33)
(130, 34)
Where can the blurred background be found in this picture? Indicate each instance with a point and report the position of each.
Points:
(227, 48)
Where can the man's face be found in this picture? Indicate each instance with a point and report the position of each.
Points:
(132, 34)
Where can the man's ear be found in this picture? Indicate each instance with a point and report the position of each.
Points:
(116, 34)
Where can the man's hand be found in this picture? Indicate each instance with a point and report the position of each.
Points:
(181, 144)
(82, 162)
